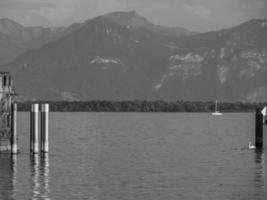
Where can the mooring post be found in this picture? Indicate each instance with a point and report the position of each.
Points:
(258, 129)
(31, 128)
(35, 128)
(44, 128)
(14, 137)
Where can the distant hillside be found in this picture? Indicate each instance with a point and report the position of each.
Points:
(122, 56)
(142, 106)
(227, 64)
(16, 39)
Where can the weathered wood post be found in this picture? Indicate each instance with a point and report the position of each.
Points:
(14, 137)
(258, 129)
(45, 128)
(35, 129)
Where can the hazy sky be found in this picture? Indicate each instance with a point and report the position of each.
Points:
(198, 15)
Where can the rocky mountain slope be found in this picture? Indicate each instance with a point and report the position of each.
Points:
(228, 64)
(123, 56)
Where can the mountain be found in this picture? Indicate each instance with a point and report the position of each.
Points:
(119, 56)
(228, 64)
(16, 39)
(133, 20)
(100, 60)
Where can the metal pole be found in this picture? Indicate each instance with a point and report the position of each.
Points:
(35, 128)
(45, 128)
(31, 128)
(258, 129)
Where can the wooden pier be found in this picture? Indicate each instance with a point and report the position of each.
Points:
(7, 98)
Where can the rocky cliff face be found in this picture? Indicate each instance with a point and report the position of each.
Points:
(123, 56)
(227, 64)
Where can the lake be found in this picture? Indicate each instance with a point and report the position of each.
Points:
(138, 156)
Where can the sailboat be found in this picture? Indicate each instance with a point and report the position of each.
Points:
(216, 113)
(264, 114)
(264, 111)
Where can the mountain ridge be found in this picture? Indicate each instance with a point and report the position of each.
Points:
(24, 38)
(20, 39)
(133, 19)
(105, 59)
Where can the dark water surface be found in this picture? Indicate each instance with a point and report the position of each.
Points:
(132, 156)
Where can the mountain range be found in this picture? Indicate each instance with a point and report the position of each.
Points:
(123, 56)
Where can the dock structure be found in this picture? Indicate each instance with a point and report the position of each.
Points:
(7, 97)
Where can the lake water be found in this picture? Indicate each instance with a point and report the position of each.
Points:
(138, 156)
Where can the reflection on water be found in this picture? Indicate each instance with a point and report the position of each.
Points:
(14, 161)
(260, 171)
(40, 176)
(7, 176)
(138, 156)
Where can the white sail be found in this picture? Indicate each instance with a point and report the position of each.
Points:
(216, 113)
(264, 111)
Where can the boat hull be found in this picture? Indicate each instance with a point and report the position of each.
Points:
(216, 114)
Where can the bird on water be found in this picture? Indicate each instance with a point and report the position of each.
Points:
(250, 146)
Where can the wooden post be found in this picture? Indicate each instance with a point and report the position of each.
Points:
(35, 128)
(258, 129)
(14, 145)
(45, 128)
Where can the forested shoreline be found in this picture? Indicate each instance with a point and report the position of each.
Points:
(143, 106)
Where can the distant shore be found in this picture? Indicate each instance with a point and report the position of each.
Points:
(143, 106)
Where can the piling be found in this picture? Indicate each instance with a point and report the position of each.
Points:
(258, 129)
(45, 128)
(14, 138)
(34, 128)
(31, 129)
(264, 113)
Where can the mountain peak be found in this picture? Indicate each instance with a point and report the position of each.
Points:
(10, 27)
(257, 20)
(9, 22)
(253, 23)
(122, 14)
(261, 22)
(131, 18)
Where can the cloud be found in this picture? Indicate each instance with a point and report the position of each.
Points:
(56, 12)
(252, 8)
(198, 10)
(199, 15)
(25, 4)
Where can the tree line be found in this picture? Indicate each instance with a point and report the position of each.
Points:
(143, 106)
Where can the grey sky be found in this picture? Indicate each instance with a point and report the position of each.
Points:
(198, 15)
